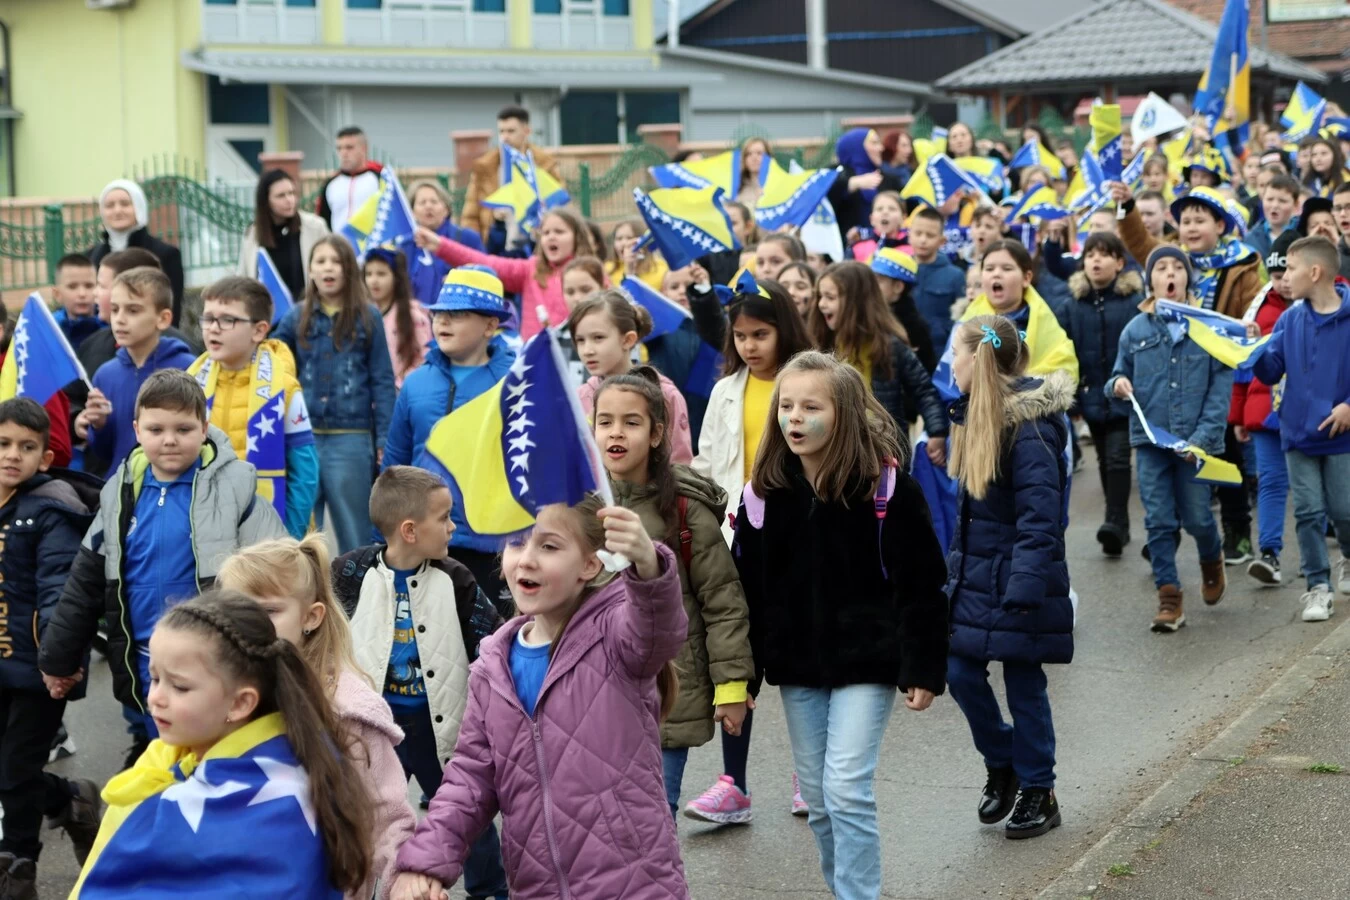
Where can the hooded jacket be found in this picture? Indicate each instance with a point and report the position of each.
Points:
(120, 381)
(1008, 580)
(853, 209)
(1312, 353)
(225, 515)
(715, 662)
(1252, 404)
(1094, 321)
(517, 277)
(344, 193)
(578, 784)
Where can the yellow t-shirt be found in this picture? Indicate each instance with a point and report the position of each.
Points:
(758, 394)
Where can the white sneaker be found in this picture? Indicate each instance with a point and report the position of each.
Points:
(1317, 603)
(1343, 575)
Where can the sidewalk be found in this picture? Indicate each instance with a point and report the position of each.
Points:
(1267, 809)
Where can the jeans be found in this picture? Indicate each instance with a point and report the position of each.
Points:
(836, 739)
(1272, 490)
(483, 872)
(1321, 489)
(1112, 440)
(346, 473)
(1235, 507)
(1027, 746)
(28, 722)
(1173, 498)
(672, 772)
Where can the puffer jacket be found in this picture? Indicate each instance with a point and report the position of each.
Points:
(579, 784)
(448, 634)
(1253, 402)
(1094, 320)
(909, 391)
(226, 515)
(42, 525)
(1008, 581)
(715, 661)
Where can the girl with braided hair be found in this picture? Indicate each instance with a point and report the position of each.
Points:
(250, 789)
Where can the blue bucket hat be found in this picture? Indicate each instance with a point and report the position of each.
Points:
(895, 264)
(475, 289)
(1211, 198)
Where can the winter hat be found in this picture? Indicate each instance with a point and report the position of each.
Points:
(475, 289)
(1310, 206)
(897, 264)
(1165, 251)
(1278, 258)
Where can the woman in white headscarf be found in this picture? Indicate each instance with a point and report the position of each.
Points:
(126, 215)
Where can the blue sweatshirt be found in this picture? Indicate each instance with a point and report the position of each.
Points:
(77, 328)
(120, 381)
(939, 284)
(1311, 351)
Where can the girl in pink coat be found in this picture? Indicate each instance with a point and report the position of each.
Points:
(562, 729)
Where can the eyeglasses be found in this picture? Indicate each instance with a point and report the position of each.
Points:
(224, 323)
(1341, 208)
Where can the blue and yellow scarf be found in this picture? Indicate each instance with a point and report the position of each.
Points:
(1208, 267)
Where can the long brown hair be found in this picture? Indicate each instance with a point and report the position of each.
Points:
(776, 310)
(865, 324)
(977, 444)
(355, 305)
(262, 209)
(402, 300)
(864, 435)
(582, 245)
(248, 651)
(645, 381)
(1337, 174)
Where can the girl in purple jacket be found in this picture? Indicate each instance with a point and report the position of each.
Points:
(561, 732)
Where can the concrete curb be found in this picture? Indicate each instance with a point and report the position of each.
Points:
(1143, 824)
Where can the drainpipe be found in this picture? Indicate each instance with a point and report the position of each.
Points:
(9, 102)
(672, 23)
(817, 44)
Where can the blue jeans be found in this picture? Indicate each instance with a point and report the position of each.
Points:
(1321, 489)
(672, 771)
(1027, 746)
(483, 872)
(1173, 499)
(1272, 490)
(346, 473)
(836, 739)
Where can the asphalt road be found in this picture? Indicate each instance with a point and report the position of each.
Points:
(1131, 705)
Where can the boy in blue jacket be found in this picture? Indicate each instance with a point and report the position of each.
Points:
(1310, 350)
(74, 291)
(142, 308)
(940, 281)
(42, 516)
(1183, 389)
(468, 358)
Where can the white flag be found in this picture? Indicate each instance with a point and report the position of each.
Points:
(1153, 117)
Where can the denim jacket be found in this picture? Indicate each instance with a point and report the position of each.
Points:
(351, 389)
(1179, 386)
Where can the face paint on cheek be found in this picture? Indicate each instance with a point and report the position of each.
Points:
(783, 423)
(815, 427)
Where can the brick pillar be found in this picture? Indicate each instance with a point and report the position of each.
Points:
(665, 136)
(469, 145)
(287, 161)
(882, 125)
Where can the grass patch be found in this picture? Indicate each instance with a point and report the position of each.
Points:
(1121, 870)
(1325, 768)
(1236, 760)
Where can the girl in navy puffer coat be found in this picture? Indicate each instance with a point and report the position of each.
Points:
(1007, 581)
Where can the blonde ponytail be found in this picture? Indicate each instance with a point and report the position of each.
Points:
(977, 444)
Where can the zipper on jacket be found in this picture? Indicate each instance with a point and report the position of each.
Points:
(162, 491)
(133, 672)
(549, 833)
(192, 529)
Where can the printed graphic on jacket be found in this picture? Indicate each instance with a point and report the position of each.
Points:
(403, 682)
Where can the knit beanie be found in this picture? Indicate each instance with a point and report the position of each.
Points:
(1164, 251)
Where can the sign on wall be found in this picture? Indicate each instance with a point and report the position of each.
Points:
(1306, 10)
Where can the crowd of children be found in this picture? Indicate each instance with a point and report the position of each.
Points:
(771, 516)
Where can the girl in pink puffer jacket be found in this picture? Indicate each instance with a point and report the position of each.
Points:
(562, 728)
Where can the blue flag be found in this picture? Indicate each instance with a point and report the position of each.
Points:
(1038, 203)
(1224, 94)
(1133, 174)
(722, 170)
(686, 223)
(1034, 154)
(939, 489)
(40, 360)
(667, 316)
(1222, 337)
(282, 301)
(385, 218)
(790, 198)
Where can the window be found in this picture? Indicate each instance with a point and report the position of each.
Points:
(248, 151)
(616, 7)
(237, 104)
(307, 4)
(363, 4)
(548, 7)
(482, 6)
(590, 117)
(656, 108)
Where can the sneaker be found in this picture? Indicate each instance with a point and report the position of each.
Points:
(1237, 548)
(1170, 615)
(722, 804)
(63, 745)
(1266, 569)
(1318, 603)
(1214, 583)
(799, 807)
(1343, 575)
(80, 818)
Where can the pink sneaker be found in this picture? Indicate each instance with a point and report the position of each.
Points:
(798, 804)
(723, 803)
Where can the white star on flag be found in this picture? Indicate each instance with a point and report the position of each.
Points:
(521, 461)
(519, 424)
(191, 795)
(285, 781)
(252, 443)
(266, 426)
(520, 405)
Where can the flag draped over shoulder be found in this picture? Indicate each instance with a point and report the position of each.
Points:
(529, 193)
(722, 170)
(790, 198)
(1304, 114)
(1049, 346)
(1034, 153)
(239, 823)
(282, 301)
(1106, 139)
(519, 447)
(1209, 469)
(686, 223)
(1222, 337)
(385, 218)
(40, 360)
(1224, 94)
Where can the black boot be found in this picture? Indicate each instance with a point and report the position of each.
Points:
(1000, 792)
(1036, 813)
(1112, 538)
(18, 880)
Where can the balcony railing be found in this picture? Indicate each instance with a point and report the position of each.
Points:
(583, 25)
(259, 22)
(427, 23)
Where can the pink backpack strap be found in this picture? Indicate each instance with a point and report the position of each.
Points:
(882, 498)
(754, 506)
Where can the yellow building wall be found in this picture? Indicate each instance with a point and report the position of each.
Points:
(101, 91)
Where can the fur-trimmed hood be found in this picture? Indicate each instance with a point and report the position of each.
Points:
(1035, 398)
(1127, 283)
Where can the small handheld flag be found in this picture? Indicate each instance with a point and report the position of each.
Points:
(1039, 203)
(1222, 337)
(1106, 138)
(1208, 469)
(686, 223)
(667, 316)
(282, 301)
(1035, 154)
(1304, 114)
(722, 170)
(939, 179)
(529, 193)
(986, 170)
(790, 198)
(40, 360)
(385, 218)
(1133, 174)
(1153, 117)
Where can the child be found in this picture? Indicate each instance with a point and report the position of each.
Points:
(896, 273)
(582, 277)
(887, 222)
(1183, 389)
(843, 577)
(182, 480)
(43, 515)
(986, 226)
(1153, 211)
(73, 290)
(1254, 418)
(648, 267)
(246, 749)
(1156, 176)
(240, 373)
(561, 235)
(1326, 166)
(685, 510)
(1106, 298)
(290, 580)
(407, 327)
(676, 283)
(142, 307)
(799, 280)
(939, 282)
(417, 620)
(586, 665)
(605, 328)
(723, 265)
(1309, 349)
(337, 338)
(852, 321)
(1008, 581)
(1279, 204)
(775, 251)
(465, 362)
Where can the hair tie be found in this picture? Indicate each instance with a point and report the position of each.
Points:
(1022, 336)
(991, 337)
